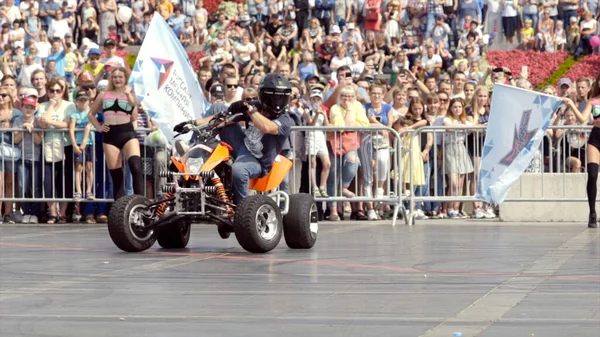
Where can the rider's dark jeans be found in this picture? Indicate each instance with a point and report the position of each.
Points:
(245, 165)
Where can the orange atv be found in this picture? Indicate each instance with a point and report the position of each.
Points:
(198, 189)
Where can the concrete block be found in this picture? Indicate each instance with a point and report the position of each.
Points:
(563, 198)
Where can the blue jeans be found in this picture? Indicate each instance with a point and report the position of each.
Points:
(347, 165)
(430, 24)
(29, 177)
(423, 190)
(245, 165)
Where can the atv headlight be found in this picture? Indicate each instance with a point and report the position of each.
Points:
(194, 164)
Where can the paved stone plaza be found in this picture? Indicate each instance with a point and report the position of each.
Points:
(437, 278)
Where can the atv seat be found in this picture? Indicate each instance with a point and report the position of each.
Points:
(281, 167)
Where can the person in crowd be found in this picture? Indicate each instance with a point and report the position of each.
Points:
(456, 157)
(350, 112)
(591, 112)
(118, 105)
(29, 168)
(82, 142)
(316, 143)
(54, 114)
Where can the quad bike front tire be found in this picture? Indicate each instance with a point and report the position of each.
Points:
(175, 236)
(125, 224)
(301, 224)
(258, 224)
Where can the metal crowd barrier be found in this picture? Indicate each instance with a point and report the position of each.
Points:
(370, 173)
(41, 173)
(442, 186)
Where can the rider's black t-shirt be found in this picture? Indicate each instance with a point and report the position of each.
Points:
(265, 147)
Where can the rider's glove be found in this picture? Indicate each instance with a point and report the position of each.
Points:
(179, 128)
(238, 107)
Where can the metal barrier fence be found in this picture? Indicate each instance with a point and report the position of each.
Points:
(362, 163)
(372, 167)
(451, 173)
(43, 166)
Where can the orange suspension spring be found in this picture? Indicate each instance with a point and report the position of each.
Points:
(221, 192)
(160, 210)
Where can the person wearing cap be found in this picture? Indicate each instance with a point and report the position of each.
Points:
(217, 93)
(564, 84)
(110, 46)
(29, 168)
(82, 142)
(288, 32)
(316, 144)
(352, 34)
(440, 30)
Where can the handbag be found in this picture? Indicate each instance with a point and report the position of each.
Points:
(9, 153)
(372, 14)
(350, 142)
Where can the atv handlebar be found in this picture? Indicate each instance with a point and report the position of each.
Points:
(207, 130)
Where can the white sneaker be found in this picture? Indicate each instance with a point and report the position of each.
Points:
(489, 213)
(33, 219)
(478, 213)
(379, 193)
(26, 218)
(371, 215)
(420, 215)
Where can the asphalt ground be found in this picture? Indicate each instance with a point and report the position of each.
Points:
(437, 278)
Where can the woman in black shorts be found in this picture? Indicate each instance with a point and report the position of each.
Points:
(591, 111)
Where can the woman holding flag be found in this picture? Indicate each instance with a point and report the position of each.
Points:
(591, 111)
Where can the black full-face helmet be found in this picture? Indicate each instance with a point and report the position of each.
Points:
(274, 93)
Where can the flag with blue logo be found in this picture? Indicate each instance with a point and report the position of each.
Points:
(164, 81)
(518, 120)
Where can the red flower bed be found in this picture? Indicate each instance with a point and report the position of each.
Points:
(212, 5)
(195, 57)
(540, 65)
(589, 67)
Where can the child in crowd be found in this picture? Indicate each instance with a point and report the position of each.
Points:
(82, 142)
(573, 37)
(30, 167)
(560, 37)
(315, 143)
(527, 34)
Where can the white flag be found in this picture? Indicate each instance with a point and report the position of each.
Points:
(518, 120)
(164, 81)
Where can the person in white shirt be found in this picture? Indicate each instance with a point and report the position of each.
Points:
(432, 62)
(13, 12)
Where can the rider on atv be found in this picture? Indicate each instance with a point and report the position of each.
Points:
(268, 125)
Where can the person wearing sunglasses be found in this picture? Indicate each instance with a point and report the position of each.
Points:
(54, 114)
(232, 94)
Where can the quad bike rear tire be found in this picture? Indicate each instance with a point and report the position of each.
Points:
(258, 224)
(301, 224)
(125, 235)
(175, 236)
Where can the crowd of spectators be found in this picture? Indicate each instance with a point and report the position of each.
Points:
(399, 63)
